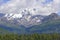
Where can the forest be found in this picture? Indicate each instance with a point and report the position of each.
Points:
(30, 37)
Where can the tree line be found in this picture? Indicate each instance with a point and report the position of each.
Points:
(30, 37)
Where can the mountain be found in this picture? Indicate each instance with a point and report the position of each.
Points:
(52, 16)
(31, 24)
(22, 19)
(26, 19)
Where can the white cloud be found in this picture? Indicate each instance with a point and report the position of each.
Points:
(13, 6)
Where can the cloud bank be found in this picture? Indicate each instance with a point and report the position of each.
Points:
(43, 7)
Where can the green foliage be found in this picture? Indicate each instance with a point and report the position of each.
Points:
(30, 37)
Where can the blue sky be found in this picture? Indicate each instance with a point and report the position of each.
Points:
(47, 1)
(3, 1)
(45, 6)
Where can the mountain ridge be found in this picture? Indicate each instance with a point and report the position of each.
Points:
(28, 19)
(50, 25)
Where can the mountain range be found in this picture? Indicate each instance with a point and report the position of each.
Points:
(28, 23)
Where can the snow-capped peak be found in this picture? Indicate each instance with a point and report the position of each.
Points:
(12, 16)
(17, 16)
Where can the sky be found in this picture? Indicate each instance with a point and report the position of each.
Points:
(3, 1)
(43, 7)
